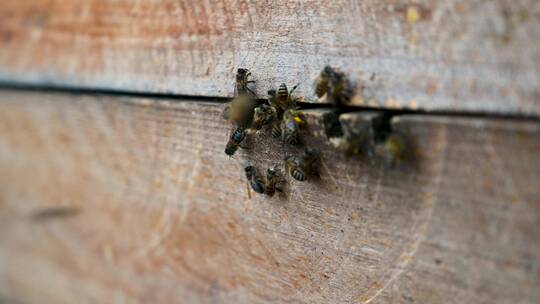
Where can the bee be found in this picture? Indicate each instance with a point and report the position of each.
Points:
(235, 140)
(341, 89)
(263, 115)
(254, 179)
(322, 81)
(392, 150)
(240, 110)
(284, 98)
(302, 167)
(242, 80)
(292, 119)
(335, 84)
(274, 182)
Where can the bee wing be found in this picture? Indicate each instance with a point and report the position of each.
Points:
(226, 112)
(286, 128)
(257, 186)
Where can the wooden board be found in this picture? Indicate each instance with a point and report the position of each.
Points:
(110, 199)
(457, 55)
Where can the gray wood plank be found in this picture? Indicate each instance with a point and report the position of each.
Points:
(456, 55)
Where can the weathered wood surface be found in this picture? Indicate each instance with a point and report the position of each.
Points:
(158, 214)
(438, 55)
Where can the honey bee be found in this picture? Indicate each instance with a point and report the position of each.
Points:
(254, 179)
(302, 167)
(284, 98)
(335, 84)
(292, 119)
(341, 90)
(242, 80)
(240, 110)
(322, 81)
(392, 150)
(274, 182)
(263, 115)
(235, 140)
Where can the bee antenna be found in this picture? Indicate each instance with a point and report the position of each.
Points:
(294, 88)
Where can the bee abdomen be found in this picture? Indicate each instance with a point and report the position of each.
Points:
(291, 138)
(230, 149)
(270, 189)
(321, 88)
(276, 130)
(290, 133)
(283, 92)
(236, 138)
(298, 174)
(238, 135)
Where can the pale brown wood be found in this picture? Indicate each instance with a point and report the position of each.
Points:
(110, 199)
(458, 55)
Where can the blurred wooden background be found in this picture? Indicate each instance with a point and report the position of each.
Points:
(114, 187)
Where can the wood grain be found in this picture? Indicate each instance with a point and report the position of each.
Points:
(159, 214)
(457, 55)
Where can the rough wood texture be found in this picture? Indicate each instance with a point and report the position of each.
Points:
(158, 214)
(465, 55)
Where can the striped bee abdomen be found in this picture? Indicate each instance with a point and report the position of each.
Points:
(276, 130)
(321, 87)
(283, 92)
(297, 174)
(290, 133)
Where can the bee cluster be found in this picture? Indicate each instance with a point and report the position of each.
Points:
(282, 116)
(376, 140)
